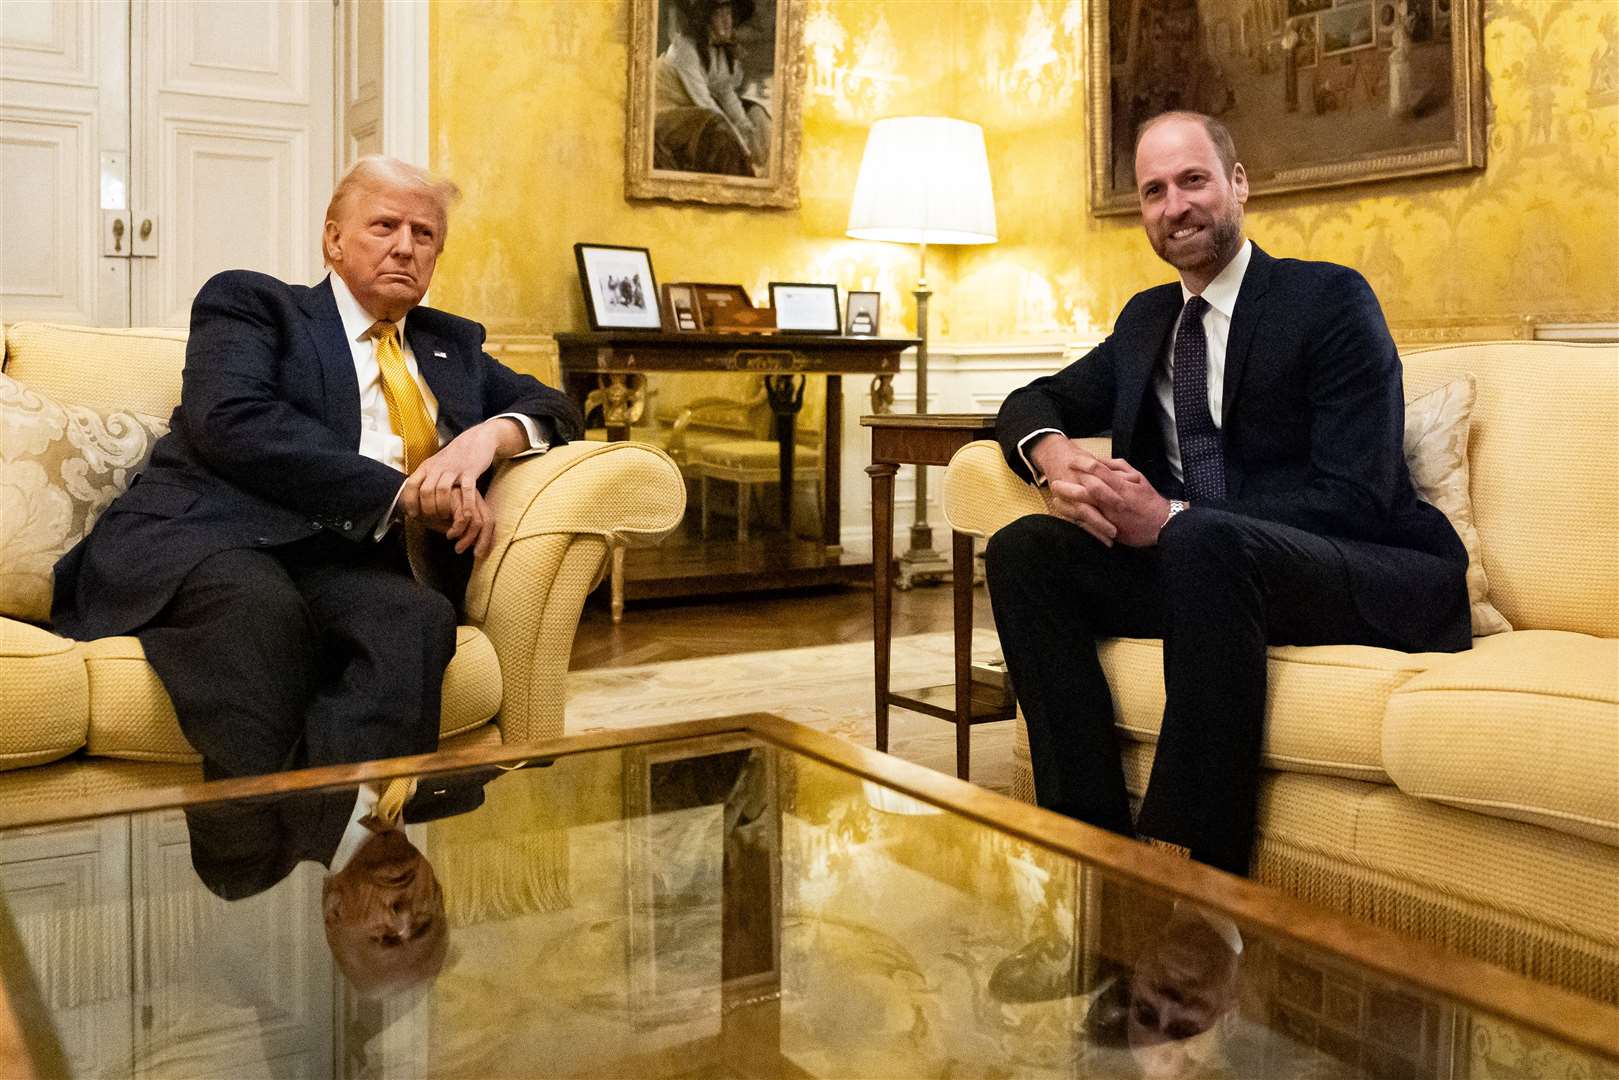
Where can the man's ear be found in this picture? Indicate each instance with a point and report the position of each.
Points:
(1239, 182)
(332, 241)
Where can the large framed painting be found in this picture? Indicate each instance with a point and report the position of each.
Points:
(714, 99)
(1317, 93)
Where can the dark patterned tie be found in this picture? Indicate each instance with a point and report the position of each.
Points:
(1202, 458)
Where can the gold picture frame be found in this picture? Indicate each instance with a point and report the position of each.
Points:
(739, 151)
(1394, 88)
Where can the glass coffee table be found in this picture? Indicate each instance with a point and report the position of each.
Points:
(739, 897)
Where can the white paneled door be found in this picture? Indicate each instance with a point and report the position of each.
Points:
(148, 144)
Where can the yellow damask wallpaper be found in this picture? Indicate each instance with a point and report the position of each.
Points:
(1532, 235)
(528, 115)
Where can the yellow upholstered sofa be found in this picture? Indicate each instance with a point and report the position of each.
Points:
(91, 718)
(1470, 799)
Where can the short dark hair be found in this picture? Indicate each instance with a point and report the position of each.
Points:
(1225, 148)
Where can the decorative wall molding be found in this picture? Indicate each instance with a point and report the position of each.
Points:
(404, 87)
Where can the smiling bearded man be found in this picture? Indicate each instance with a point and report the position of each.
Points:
(1256, 494)
(293, 556)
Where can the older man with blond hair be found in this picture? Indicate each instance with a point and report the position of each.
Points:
(292, 557)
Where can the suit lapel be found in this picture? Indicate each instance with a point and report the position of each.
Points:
(1244, 321)
(1144, 342)
(342, 385)
(433, 360)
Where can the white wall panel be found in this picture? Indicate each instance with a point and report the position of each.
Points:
(51, 233)
(235, 200)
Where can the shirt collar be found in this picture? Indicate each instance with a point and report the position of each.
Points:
(1221, 293)
(357, 322)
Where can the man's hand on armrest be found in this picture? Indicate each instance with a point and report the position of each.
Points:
(443, 491)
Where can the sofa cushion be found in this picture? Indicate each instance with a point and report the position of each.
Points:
(1525, 726)
(44, 698)
(97, 366)
(1324, 710)
(1436, 426)
(1543, 457)
(131, 717)
(60, 465)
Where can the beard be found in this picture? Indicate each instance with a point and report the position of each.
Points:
(1212, 248)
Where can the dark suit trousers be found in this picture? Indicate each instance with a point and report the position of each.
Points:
(1217, 589)
(318, 652)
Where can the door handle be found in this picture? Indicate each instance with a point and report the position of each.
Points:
(146, 229)
(114, 227)
(143, 244)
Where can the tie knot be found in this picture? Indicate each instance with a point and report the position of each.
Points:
(1195, 306)
(383, 330)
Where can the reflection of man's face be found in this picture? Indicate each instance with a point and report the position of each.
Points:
(385, 916)
(1181, 987)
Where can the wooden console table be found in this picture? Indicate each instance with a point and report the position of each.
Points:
(927, 439)
(618, 361)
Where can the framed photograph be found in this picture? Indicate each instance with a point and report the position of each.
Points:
(715, 89)
(728, 308)
(863, 308)
(1327, 94)
(804, 308)
(680, 304)
(620, 291)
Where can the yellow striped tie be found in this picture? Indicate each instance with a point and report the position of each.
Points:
(390, 806)
(407, 412)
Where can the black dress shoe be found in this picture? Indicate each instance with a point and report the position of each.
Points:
(1043, 970)
(1107, 1021)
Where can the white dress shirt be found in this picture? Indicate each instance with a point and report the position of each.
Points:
(355, 835)
(1221, 295)
(377, 438)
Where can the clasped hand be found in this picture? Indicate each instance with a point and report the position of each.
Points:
(1107, 497)
(443, 491)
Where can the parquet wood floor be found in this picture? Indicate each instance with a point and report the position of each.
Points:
(653, 632)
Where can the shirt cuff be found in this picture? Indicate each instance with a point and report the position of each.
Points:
(1039, 477)
(537, 442)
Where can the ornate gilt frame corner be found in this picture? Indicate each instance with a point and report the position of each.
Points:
(780, 189)
(1464, 150)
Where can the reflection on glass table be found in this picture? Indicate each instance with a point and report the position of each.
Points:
(735, 898)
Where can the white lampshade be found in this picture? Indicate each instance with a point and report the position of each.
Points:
(924, 180)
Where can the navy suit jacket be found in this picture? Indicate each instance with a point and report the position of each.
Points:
(1313, 425)
(263, 448)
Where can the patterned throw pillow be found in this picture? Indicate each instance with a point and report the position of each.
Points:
(60, 465)
(1436, 427)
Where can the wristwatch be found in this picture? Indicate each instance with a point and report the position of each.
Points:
(1175, 507)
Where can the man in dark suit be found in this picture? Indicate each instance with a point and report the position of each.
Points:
(1257, 494)
(327, 440)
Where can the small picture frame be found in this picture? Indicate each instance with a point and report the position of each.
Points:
(680, 304)
(805, 308)
(620, 290)
(862, 318)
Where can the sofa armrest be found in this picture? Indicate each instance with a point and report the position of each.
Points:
(981, 494)
(557, 518)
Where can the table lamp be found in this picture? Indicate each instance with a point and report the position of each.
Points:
(923, 180)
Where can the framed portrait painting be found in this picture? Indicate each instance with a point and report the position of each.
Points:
(1316, 93)
(713, 112)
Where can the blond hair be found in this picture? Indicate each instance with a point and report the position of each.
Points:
(379, 170)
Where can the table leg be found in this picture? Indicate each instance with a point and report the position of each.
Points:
(832, 467)
(786, 394)
(882, 575)
(961, 575)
